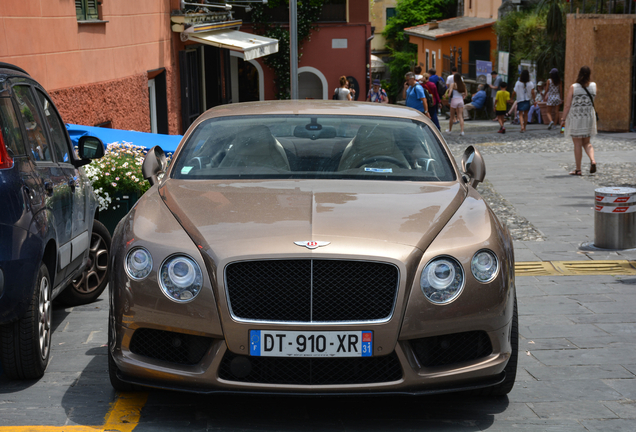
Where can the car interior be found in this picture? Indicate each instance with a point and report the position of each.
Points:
(301, 147)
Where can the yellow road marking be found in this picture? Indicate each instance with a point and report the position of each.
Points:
(539, 268)
(574, 268)
(122, 417)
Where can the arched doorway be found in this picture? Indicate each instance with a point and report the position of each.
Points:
(309, 86)
(312, 84)
(246, 79)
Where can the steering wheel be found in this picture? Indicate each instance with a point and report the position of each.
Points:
(388, 159)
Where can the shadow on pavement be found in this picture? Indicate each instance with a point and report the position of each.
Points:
(174, 410)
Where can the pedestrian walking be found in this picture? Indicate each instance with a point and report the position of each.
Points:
(501, 105)
(414, 94)
(456, 94)
(495, 86)
(579, 118)
(552, 97)
(449, 80)
(535, 109)
(342, 92)
(377, 94)
(524, 92)
(432, 90)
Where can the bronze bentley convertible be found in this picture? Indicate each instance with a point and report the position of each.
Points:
(313, 247)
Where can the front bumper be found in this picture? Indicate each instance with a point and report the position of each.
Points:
(213, 373)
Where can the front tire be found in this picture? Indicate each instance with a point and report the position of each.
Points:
(90, 284)
(25, 345)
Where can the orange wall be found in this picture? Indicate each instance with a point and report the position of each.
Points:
(44, 37)
(66, 57)
(458, 40)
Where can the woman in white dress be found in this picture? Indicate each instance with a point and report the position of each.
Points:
(579, 118)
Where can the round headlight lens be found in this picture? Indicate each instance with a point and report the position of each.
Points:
(442, 280)
(138, 263)
(180, 278)
(484, 266)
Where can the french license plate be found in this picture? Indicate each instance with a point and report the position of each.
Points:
(270, 343)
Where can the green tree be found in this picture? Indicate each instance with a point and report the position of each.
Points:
(410, 13)
(532, 38)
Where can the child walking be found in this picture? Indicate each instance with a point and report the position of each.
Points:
(501, 105)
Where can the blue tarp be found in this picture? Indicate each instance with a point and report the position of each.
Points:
(168, 143)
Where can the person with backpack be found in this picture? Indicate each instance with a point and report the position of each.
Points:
(342, 92)
(414, 94)
(434, 100)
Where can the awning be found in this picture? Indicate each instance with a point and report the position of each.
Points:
(253, 46)
(377, 65)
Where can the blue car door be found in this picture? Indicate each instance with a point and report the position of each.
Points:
(51, 177)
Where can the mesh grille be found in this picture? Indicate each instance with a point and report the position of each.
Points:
(452, 348)
(311, 290)
(168, 346)
(310, 371)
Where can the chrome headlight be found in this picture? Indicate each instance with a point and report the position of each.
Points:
(484, 266)
(442, 280)
(138, 263)
(180, 278)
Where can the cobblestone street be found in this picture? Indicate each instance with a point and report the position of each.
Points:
(577, 370)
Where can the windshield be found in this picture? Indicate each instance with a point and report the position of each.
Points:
(295, 146)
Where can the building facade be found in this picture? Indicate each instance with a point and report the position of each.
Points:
(456, 42)
(128, 65)
(100, 61)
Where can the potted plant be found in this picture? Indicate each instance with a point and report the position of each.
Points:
(117, 181)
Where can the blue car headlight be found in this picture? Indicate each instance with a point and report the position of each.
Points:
(180, 278)
(442, 280)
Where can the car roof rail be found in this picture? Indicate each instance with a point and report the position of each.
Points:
(13, 67)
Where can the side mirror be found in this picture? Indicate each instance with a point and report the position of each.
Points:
(473, 165)
(88, 148)
(154, 164)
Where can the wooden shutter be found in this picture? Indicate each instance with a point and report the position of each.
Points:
(79, 10)
(91, 10)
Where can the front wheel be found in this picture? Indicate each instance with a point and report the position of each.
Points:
(90, 284)
(25, 345)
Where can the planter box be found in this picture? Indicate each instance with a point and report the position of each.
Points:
(119, 207)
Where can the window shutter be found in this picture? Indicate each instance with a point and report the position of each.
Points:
(79, 10)
(91, 10)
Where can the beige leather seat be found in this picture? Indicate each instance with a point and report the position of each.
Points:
(372, 142)
(256, 147)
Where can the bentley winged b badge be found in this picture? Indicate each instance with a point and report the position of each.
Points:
(311, 244)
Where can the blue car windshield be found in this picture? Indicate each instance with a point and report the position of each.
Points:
(317, 147)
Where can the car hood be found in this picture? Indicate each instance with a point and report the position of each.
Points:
(239, 217)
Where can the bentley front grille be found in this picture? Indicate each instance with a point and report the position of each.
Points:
(311, 290)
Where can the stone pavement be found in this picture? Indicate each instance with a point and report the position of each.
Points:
(577, 367)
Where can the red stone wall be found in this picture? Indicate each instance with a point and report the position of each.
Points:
(123, 101)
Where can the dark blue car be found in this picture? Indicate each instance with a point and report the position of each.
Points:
(50, 243)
